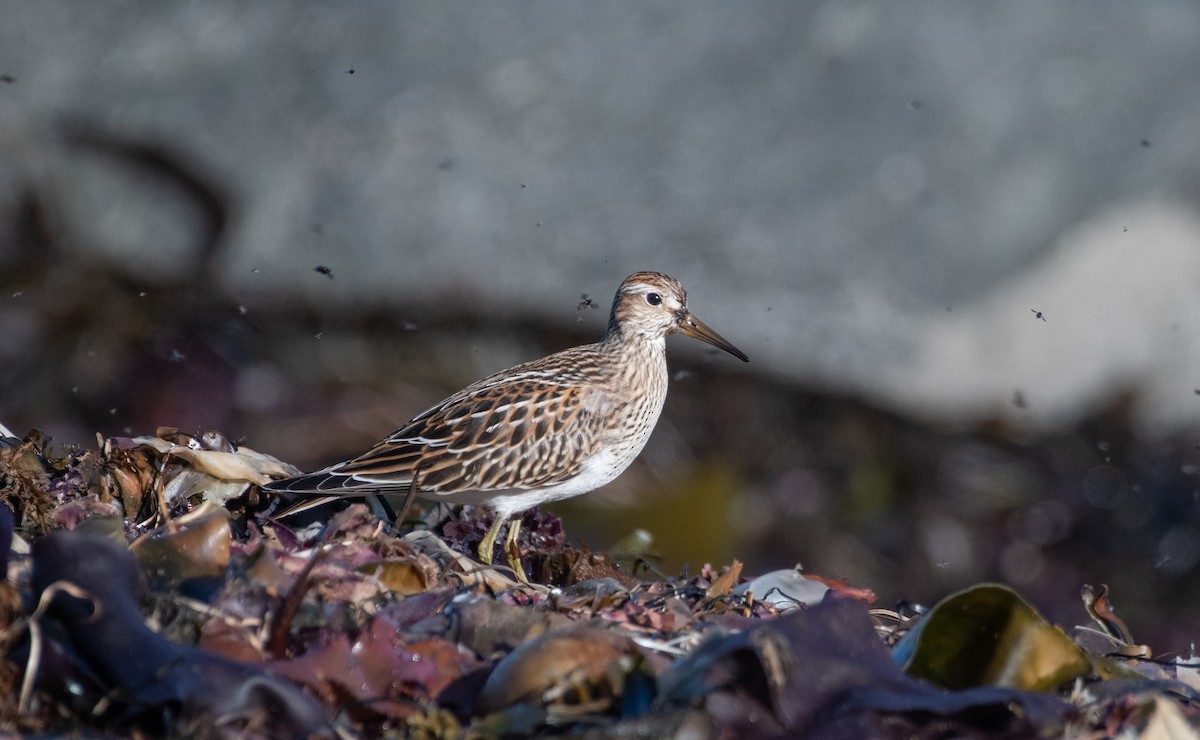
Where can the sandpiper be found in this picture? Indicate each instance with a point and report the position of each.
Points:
(542, 431)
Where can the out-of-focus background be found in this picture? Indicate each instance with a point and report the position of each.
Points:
(959, 241)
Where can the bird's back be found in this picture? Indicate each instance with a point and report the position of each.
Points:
(533, 426)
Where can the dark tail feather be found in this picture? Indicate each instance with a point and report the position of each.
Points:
(381, 504)
(318, 482)
(292, 503)
(307, 492)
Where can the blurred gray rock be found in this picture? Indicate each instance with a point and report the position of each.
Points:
(871, 196)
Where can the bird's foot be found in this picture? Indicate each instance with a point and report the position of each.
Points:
(513, 551)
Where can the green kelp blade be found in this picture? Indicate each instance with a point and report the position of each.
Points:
(987, 635)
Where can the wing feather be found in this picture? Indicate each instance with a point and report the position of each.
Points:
(528, 427)
(493, 439)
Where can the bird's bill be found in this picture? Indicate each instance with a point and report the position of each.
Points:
(691, 326)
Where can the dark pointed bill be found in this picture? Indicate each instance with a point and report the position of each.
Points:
(691, 326)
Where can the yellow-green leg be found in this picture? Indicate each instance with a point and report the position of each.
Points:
(514, 552)
(511, 550)
(489, 541)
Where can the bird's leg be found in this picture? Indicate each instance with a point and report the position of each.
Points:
(408, 501)
(381, 508)
(489, 540)
(513, 551)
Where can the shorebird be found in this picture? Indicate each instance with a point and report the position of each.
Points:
(542, 431)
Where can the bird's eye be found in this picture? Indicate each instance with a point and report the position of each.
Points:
(653, 299)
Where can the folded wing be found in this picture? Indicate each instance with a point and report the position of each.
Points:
(527, 433)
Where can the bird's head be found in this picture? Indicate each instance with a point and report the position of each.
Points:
(653, 305)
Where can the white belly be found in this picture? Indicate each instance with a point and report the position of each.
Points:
(597, 471)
